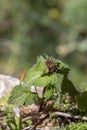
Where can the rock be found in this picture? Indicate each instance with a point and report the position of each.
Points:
(6, 84)
(39, 90)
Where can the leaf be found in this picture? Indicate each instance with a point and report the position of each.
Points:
(39, 75)
(59, 82)
(20, 96)
(49, 92)
(31, 98)
(46, 80)
(12, 124)
(32, 77)
(68, 87)
(63, 68)
(82, 101)
(57, 102)
(76, 126)
(35, 72)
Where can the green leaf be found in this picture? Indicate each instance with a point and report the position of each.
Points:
(57, 102)
(36, 72)
(32, 76)
(82, 101)
(12, 124)
(59, 82)
(20, 96)
(68, 87)
(46, 80)
(76, 126)
(49, 92)
(31, 98)
(63, 68)
(39, 74)
(40, 65)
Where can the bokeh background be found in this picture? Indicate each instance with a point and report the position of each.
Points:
(30, 28)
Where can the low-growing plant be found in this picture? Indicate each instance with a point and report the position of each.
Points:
(49, 74)
(76, 126)
(52, 90)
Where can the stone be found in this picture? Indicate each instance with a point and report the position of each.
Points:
(6, 84)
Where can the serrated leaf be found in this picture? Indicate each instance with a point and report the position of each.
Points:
(19, 96)
(31, 98)
(38, 75)
(49, 92)
(82, 101)
(40, 65)
(64, 68)
(35, 72)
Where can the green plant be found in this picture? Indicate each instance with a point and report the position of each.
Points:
(76, 126)
(57, 92)
(51, 75)
(14, 124)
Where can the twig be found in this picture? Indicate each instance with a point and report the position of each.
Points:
(26, 128)
(26, 118)
(39, 121)
(68, 115)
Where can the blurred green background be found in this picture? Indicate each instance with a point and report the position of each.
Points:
(30, 28)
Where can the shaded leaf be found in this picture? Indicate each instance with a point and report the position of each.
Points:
(63, 68)
(82, 101)
(68, 87)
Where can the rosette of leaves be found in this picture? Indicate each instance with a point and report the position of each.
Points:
(48, 73)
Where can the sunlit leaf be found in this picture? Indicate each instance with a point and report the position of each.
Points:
(21, 96)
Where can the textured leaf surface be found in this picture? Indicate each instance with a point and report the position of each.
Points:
(32, 76)
(76, 126)
(49, 92)
(45, 80)
(30, 99)
(36, 72)
(20, 96)
(39, 75)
